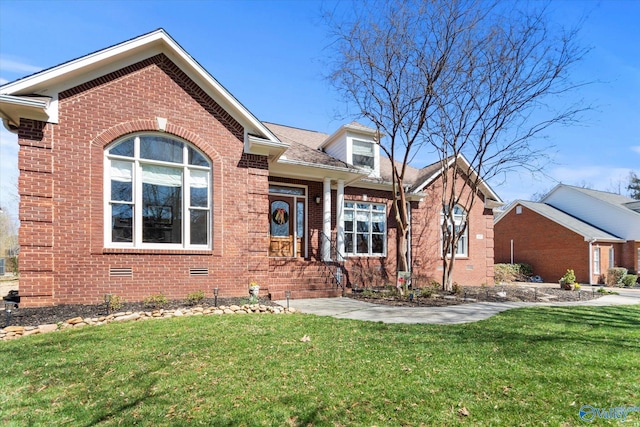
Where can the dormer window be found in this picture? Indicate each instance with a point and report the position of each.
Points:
(363, 154)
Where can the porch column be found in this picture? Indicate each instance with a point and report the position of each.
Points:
(340, 219)
(326, 220)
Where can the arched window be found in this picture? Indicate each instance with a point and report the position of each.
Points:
(458, 219)
(157, 194)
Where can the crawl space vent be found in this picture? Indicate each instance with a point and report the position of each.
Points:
(198, 271)
(120, 272)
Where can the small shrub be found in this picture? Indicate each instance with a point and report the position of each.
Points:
(156, 301)
(115, 302)
(457, 289)
(569, 277)
(507, 273)
(576, 287)
(13, 265)
(504, 273)
(629, 280)
(525, 270)
(427, 292)
(615, 276)
(195, 297)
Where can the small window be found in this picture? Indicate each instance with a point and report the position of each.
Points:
(612, 258)
(596, 260)
(157, 194)
(459, 219)
(363, 154)
(365, 226)
(518, 210)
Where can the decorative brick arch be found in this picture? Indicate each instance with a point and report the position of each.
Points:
(120, 130)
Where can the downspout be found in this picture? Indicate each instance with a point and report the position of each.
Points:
(591, 242)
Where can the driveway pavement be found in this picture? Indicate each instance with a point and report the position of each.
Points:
(347, 308)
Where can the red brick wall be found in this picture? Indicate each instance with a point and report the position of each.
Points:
(550, 248)
(63, 258)
(473, 270)
(477, 267)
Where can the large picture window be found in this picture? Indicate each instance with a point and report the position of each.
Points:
(459, 219)
(158, 194)
(365, 226)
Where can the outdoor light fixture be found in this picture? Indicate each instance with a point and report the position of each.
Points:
(215, 297)
(287, 294)
(318, 199)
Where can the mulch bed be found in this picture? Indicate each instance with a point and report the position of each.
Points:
(59, 313)
(471, 294)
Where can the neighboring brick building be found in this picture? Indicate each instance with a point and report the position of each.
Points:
(575, 228)
(140, 174)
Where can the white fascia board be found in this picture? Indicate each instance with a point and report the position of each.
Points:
(482, 185)
(569, 227)
(509, 208)
(13, 108)
(347, 129)
(264, 147)
(73, 73)
(432, 177)
(312, 171)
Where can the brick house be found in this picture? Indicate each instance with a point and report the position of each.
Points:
(575, 228)
(140, 174)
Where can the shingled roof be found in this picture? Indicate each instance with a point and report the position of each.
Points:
(570, 222)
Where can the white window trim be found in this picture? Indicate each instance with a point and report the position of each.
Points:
(137, 242)
(376, 155)
(612, 257)
(354, 232)
(461, 252)
(596, 260)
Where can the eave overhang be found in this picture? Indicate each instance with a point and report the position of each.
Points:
(296, 169)
(13, 108)
(264, 147)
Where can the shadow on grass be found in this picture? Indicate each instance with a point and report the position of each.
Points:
(578, 325)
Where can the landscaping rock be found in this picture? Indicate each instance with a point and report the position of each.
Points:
(74, 321)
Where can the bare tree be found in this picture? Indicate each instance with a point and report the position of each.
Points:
(467, 79)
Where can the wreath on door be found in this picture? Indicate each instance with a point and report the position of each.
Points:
(280, 216)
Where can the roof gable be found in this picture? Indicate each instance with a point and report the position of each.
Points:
(578, 226)
(607, 211)
(50, 82)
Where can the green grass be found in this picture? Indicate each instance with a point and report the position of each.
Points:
(534, 366)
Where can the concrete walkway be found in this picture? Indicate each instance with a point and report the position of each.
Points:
(347, 308)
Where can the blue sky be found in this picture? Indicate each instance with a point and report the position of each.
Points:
(272, 56)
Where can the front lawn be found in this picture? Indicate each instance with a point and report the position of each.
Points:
(534, 366)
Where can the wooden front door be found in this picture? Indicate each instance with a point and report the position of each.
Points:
(286, 217)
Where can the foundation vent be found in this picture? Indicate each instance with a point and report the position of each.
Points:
(120, 272)
(198, 271)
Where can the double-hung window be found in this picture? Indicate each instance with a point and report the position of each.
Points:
(458, 219)
(363, 154)
(158, 194)
(365, 226)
